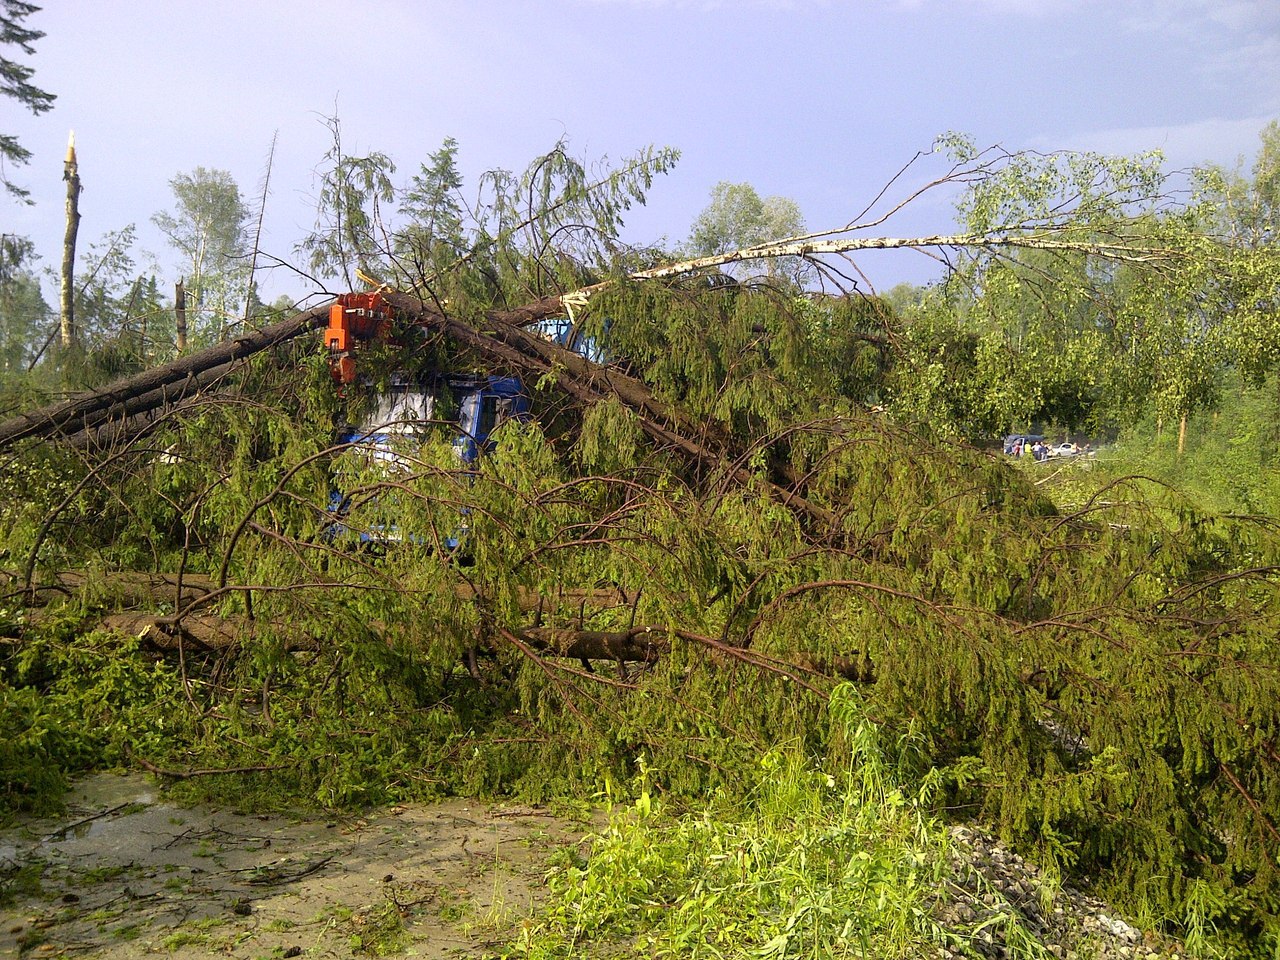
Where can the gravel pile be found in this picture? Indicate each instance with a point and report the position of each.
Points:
(1009, 911)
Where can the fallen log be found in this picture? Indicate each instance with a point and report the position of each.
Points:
(633, 645)
(210, 632)
(203, 631)
(646, 643)
(64, 417)
(158, 386)
(133, 416)
(129, 588)
(125, 588)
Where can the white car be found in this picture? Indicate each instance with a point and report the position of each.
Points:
(1067, 449)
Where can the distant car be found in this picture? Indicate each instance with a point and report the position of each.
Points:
(1064, 450)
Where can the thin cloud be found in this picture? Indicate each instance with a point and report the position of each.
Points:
(1020, 8)
(1183, 145)
(1182, 16)
(1221, 42)
(1189, 16)
(711, 6)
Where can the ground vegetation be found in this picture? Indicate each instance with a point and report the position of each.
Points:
(753, 546)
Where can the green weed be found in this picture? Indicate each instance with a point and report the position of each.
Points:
(130, 931)
(380, 931)
(184, 938)
(818, 864)
(20, 880)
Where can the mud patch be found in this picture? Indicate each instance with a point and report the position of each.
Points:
(125, 874)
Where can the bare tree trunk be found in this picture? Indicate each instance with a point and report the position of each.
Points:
(70, 416)
(1182, 435)
(251, 292)
(71, 174)
(180, 315)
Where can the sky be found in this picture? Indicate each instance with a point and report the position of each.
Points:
(822, 101)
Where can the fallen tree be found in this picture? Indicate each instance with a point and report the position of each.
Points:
(179, 379)
(131, 588)
(1101, 683)
(209, 632)
(158, 383)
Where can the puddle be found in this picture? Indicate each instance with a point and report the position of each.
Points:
(124, 874)
(105, 802)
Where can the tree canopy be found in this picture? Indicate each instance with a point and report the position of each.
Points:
(209, 228)
(15, 82)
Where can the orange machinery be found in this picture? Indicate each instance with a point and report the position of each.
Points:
(354, 318)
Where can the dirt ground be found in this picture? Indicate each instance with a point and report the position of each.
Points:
(125, 874)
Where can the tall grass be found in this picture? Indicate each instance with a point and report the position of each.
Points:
(820, 863)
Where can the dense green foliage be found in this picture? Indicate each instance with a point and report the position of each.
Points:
(1100, 685)
(1087, 665)
(208, 229)
(1229, 462)
(1100, 300)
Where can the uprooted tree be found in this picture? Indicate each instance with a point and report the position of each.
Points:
(676, 559)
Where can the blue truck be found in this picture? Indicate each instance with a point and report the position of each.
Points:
(470, 405)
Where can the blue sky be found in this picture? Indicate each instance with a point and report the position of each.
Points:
(821, 101)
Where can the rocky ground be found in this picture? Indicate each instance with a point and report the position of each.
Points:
(1014, 913)
(126, 875)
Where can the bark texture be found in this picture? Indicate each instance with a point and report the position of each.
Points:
(180, 315)
(71, 174)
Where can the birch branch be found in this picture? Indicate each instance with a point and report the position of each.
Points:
(804, 246)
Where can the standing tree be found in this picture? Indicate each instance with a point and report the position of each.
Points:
(105, 295)
(738, 218)
(557, 223)
(522, 236)
(15, 82)
(71, 174)
(434, 239)
(23, 310)
(1250, 207)
(1245, 211)
(210, 230)
(349, 227)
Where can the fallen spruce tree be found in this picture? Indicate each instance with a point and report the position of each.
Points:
(1099, 684)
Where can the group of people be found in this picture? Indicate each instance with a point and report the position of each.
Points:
(1036, 448)
(1028, 448)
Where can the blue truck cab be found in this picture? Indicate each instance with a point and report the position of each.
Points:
(406, 410)
(470, 407)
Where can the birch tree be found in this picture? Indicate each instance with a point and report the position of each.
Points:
(738, 217)
(209, 229)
